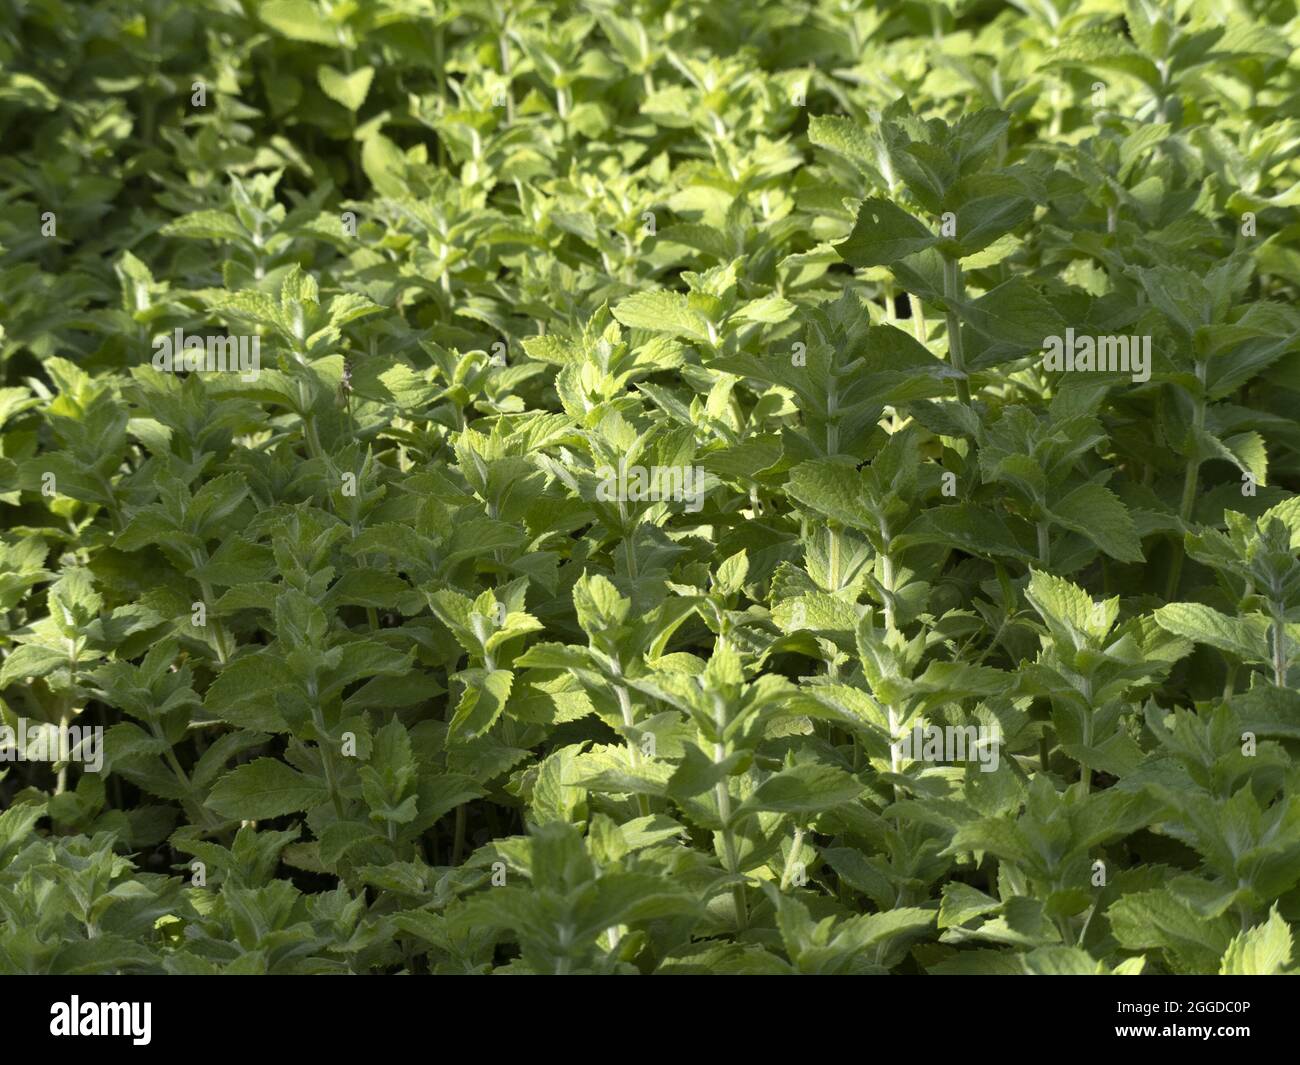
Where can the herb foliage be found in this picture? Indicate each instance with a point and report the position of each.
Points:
(391, 680)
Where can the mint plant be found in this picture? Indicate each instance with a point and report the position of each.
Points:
(545, 488)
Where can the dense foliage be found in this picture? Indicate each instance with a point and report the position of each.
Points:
(652, 431)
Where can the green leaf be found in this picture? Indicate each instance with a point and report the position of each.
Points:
(207, 225)
(385, 165)
(1150, 920)
(830, 488)
(805, 788)
(882, 234)
(768, 310)
(30, 660)
(962, 903)
(1097, 513)
(1264, 950)
(661, 312)
(845, 138)
(484, 699)
(1013, 315)
(1068, 610)
(350, 90)
(1204, 624)
(265, 788)
(299, 20)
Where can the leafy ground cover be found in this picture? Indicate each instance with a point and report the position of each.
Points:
(661, 487)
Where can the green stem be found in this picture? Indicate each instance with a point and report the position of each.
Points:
(634, 753)
(1085, 772)
(832, 416)
(629, 555)
(1230, 681)
(953, 292)
(326, 755)
(182, 777)
(1279, 645)
(887, 579)
(918, 321)
(790, 859)
(61, 780)
(1067, 931)
(1188, 501)
(895, 755)
(114, 513)
(504, 45)
(199, 560)
(627, 533)
(723, 795)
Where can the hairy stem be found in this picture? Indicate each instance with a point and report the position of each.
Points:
(634, 753)
(723, 794)
(1279, 644)
(953, 291)
(790, 859)
(326, 755)
(887, 579)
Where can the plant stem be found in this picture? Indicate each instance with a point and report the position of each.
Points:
(723, 795)
(61, 780)
(326, 755)
(887, 578)
(182, 777)
(627, 532)
(1188, 501)
(114, 513)
(832, 417)
(895, 755)
(1230, 680)
(729, 851)
(634, 754)
(918, 322)
(198, 559)
(953, 291)
(1279, 644)
(505, 73)
(1067, 931)
(1085, 771)
(790, 859)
